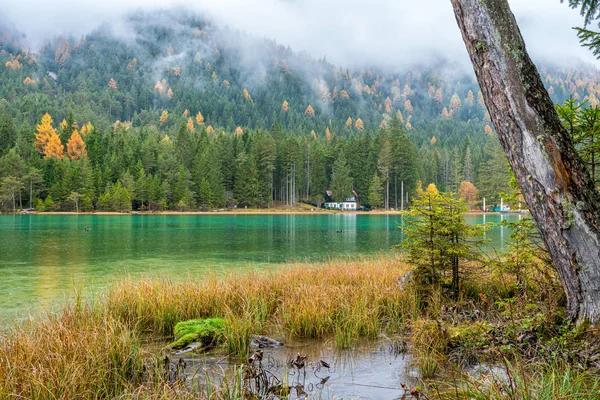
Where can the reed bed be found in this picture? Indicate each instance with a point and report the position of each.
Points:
(77, 354)
(342, 299)
(97, 350)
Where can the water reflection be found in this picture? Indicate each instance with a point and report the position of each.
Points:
(369, 370)
(43, 257)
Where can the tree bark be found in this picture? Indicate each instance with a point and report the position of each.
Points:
(553, 179)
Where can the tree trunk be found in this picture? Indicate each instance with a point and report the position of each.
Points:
(553, 179)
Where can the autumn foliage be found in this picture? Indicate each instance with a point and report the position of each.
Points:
(309, 112)
(76, 146)
(47, 141)
(164, 116)
(468, 192)
(199, 118)
(359, 125)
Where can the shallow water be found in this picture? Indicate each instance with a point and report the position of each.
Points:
(44, 258)
(370, 370)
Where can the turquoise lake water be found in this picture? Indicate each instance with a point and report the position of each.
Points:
(43, 258)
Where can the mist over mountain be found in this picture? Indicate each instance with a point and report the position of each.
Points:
(174, 109)
(176, 60)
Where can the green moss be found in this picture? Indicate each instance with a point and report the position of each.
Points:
(208, 331)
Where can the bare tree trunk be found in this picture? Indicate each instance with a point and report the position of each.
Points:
(553, 179)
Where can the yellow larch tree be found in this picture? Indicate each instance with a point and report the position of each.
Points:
(190, 125)
(309, 112)
(86, 129)
(210, 129)
(349, 122)
(247, 96)
(164, 116)
(408, 107)
(445, 113)
(359, 125)
(388, 105)
(54, 147)
(438, 97)
(400, 117)
(313, 134)
(132, 64)
(470, 100)
(199, 118)
(170, 93)
(455, 103)
(44, 131)
(327, 134)
(433, 141)
(239, 131)
(285, 106)
(76, 146)
(488, 130)
(185, 114)
(112, 84)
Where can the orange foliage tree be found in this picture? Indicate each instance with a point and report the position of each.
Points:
(199, 118)
(47, 141)
(76, 146)
(164, 116)
(468, 192)
(309, 112)
(190, 125)
(359, 124)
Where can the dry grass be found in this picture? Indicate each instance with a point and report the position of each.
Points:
(76, 354)
(96, 352)
(345, 299)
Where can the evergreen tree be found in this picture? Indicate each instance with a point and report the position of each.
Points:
(341, 181)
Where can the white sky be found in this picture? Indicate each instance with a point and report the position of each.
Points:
(392, 34)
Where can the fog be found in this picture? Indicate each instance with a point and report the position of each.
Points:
(350, 33)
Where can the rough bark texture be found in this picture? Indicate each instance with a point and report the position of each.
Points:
(555, 184)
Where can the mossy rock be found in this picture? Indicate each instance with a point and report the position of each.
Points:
(208, 331)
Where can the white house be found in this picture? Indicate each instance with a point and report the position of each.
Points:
(350, 204)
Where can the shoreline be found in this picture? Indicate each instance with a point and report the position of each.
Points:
(241, 212)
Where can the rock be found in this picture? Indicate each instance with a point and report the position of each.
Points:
(263, 341)
(208, 332)
(190, 347)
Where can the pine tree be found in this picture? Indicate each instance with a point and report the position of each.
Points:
(376, 192)
(341, 181)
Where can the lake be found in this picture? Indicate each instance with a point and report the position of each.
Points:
(43, 258)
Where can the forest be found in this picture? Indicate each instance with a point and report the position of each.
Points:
(183, 114)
